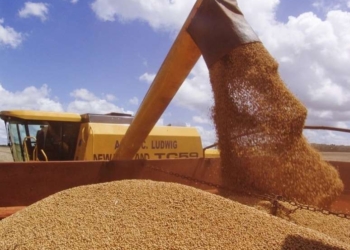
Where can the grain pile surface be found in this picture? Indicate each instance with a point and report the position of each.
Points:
(151, 215)
(336, 227)
(259, 126)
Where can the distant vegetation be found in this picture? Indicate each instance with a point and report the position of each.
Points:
(331, 147)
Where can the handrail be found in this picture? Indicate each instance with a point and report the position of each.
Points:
(328, 128)
(210, 146)
(25, 147)
(305, 127)
(44, 154)
(35, 150)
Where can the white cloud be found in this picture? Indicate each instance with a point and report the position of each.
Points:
(40, 99)
(39, 10)
(110, 97)
(33, 98)
(159, 14)
(9, 37)
(3, 136)
(208, 135)
(87, 102)
(260, 14)
(73, 1)
(83, 94)
(195, 93)
(160, 122)
(145, 62)
(326, 6)
(147, 77)
(29, 98)
(201, 120)
(134, 101)
(318, 52)
(331, 137)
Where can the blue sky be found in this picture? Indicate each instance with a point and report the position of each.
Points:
(101, 55)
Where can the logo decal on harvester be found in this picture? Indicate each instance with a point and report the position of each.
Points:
(153, 145)
(146, 156)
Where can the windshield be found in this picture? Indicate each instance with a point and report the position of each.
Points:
(52, 141)
(18, 133)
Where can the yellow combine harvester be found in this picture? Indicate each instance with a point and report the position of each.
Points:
(55, 136)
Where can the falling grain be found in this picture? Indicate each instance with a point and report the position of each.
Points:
(259, 126)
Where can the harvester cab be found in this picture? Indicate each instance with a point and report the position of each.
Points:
(38, 135)
(55, 136)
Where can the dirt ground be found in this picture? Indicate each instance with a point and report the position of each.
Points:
(5, 154)
(336, 156)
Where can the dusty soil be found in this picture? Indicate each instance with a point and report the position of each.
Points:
(5, 154)
(336, 156)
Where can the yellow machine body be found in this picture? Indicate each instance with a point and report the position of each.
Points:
(69, 136)
(164, 142)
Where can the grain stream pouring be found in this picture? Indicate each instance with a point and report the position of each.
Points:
(258, 121)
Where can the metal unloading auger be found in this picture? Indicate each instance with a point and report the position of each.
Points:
(213, 28)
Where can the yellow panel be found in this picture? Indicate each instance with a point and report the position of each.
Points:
(162, 143)
(41, 115)
(212, 153)
(83, 148)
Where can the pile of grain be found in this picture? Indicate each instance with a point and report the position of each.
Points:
(336, 227)
(151, 215)
(259, 126)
